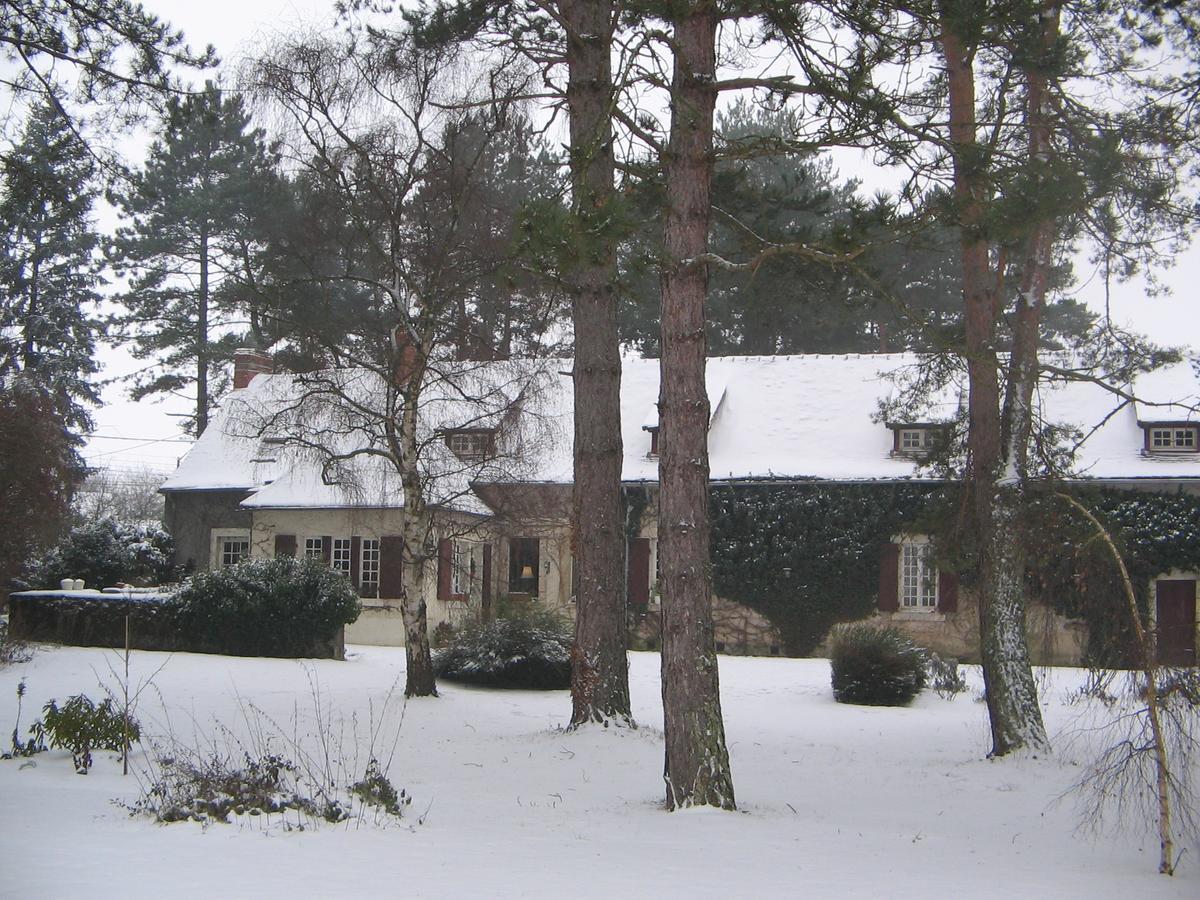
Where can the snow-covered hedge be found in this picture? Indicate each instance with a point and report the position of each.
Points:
(103, 554)
(266, 607)
(525, 648)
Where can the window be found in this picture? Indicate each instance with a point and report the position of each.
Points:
(472, 445)
(232, 549)
(314, 548)
(914, 440)
(339, 559)
(1172, 439)
(462, 567)
(369, 568)
(523, 563)
(918, 577)
(653, 440)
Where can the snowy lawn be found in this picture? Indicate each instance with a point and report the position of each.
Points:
(835, 801)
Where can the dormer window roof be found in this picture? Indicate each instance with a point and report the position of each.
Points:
(653, 429)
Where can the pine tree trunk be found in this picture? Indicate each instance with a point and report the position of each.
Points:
(599, 668)
(1013, 709)
(697, 762)
(202, 337)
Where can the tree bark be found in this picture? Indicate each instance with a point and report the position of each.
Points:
(202, 337)
(599, 667)
(1013, 710)
(419, 679)
(697, 769)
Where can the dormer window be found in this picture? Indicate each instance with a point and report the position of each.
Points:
(914, 440)
(1172, 438)
(653, 439)
(472, 445)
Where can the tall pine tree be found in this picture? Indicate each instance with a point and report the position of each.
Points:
(48, 266)
(191, 246)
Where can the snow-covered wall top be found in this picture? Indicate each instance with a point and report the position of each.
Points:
(811, 416)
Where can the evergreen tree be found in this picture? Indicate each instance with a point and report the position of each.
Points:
(48, 270)
(192, 245)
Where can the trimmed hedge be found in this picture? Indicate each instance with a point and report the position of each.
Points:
(876, 666)
(266, 607)
(525, 649)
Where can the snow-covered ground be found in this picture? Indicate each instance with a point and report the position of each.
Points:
(835, 801)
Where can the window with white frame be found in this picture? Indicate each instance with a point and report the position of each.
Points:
(915, 440)
(470, 445)
(339, 557)
(368, 570)
(232, 547)
(314, 548)
(918, 576)
(1175, 439)
(461, 565)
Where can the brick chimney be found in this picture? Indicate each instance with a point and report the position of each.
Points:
(247, 363)
(406, 356)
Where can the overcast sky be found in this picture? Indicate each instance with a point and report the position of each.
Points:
(146, 434)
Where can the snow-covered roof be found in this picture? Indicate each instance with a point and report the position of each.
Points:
(798, 417)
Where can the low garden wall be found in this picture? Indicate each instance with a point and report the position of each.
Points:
(97, 619)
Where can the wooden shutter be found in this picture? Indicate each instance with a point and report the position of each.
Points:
(327, 549)
(637, 579)
(391, 566)
(285, 545)
(355, 560)
(889, 578)
(487, 576)
(947, 592)
(445, 561)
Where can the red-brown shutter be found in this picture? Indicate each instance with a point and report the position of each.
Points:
(445, 561)
(889, 578)
(355, 559)
(391, 566)
(285, 545)
(487, 575)
(327, 549)
(947, 592)
(637, 579)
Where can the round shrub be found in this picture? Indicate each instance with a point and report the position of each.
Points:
(104, 553)
(266, 607)
(524, 649)
(875, 666)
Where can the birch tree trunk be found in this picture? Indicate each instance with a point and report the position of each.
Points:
(697, 763)
(599, 667)
(416, 531)
(1013, 710)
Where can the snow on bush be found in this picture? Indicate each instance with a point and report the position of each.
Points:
(267, 607)
(104, 553)
(527, 648)
(876, 666)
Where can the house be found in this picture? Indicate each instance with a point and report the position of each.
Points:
(497, 463)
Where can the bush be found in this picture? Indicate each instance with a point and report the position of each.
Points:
(81, 727)
(523, 649)
(876, 666)
(945, 676)
(266, 607)
(104, 553)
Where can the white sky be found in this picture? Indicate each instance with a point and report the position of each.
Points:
(134, 435)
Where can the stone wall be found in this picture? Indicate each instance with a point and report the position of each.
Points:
(191, 516)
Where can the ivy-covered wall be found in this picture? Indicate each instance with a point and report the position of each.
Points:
(806, 555)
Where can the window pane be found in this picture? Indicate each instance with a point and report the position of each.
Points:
(523, 562)
(368, 572)
(918, 577)
(339, 559)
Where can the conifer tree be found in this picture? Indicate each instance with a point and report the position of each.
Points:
(194, 214)
(48, 269)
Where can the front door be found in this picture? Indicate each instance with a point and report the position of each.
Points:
(1176, 612)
